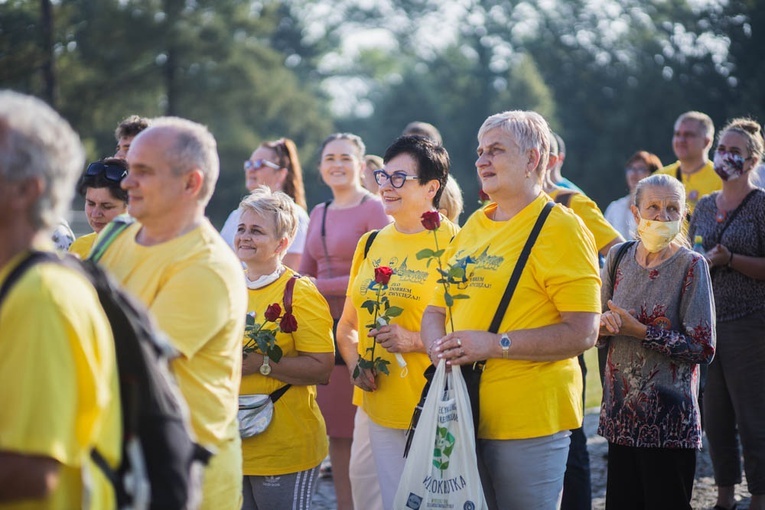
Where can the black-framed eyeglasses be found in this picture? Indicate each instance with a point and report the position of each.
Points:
(260, 163)
(397, 179)
(114, 173)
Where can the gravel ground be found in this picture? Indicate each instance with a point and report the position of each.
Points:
(704, 491)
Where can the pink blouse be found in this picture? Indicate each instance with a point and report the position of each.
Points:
(342, 230)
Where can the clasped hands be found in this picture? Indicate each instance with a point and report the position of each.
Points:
(618, 321)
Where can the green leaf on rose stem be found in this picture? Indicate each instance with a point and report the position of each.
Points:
(461, 296)
(356, 371)
(448, 299)
(381, 366)
(275, 353)
(369, 349)
(369, 305)
(424, 254)
(249, 320)
(394, 311)
(365, 364)
(456, 272)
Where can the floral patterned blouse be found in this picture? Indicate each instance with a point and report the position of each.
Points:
(650, 391)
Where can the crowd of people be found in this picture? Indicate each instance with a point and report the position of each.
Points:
(337, 314)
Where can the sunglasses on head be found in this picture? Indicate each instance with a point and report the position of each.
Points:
(112, 173)
(260, 163)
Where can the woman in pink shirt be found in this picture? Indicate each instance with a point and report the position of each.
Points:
(333, 233)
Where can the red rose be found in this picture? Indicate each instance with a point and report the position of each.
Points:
(431, 220)
(383, 274)
(288, 324)
(273, 312)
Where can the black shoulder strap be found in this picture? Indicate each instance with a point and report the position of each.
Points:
(17, 272)
(108, 235)
(516, 276)
(564, 197)
(324, 219)
(370, 240)
(621, 251)
(277, 394)
(678, 173)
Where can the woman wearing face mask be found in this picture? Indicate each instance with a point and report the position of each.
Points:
(658, 325)
(731, 223)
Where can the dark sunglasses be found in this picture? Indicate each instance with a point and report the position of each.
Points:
(112, 173)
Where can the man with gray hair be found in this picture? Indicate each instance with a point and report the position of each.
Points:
(691, 140)
(56, 344)
(175, 261)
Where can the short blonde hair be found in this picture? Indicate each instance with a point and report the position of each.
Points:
(276, 205)
(451, 199)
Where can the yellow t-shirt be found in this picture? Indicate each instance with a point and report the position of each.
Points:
(593, 218)
(411, 287)
(296, 439)
(525, 399)
(697, 184)
(82, 245)
(194, 288)
(58, 372)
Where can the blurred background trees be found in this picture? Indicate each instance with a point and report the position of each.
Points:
(610, 76)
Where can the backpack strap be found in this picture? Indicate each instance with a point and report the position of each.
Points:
(621, 251)
(370, 240)
(17, 272)
(108, 235)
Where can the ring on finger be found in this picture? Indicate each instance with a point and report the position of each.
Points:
(459, 343)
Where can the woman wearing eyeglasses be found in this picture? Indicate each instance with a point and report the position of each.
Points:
(334, 231)
(276, 164)
(411, 184)
(104, 199)
(731, 223)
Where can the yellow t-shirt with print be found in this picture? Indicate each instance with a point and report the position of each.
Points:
(411, 288)
(194, 288)
(82, 245)
(593, 218)
(296, 439)
(58, 372)
(526, 399)
(697, 184)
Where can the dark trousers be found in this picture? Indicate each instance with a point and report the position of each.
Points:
(649, 478)
(577, 489)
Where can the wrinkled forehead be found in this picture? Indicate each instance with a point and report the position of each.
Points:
(660, 194)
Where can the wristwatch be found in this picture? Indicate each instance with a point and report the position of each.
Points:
(265, 368)
(505, 343)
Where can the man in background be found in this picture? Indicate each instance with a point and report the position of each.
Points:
(691, 141)
(126, 130)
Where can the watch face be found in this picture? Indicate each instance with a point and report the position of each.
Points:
(265, 369)
(504, 341)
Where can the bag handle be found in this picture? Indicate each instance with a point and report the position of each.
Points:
(289, 291)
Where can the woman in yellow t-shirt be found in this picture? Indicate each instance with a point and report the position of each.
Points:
(104, 199)
(281, 464)
(411, 184)
(530, 390)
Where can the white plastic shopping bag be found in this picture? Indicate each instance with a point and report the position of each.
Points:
(441, 470)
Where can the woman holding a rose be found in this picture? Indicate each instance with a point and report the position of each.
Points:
(389, 287)
(293, 445)
(530, 392)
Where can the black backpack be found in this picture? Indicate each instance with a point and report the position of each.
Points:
(161, 464)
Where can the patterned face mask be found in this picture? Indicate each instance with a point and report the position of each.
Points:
(729, 166)
(656, 235)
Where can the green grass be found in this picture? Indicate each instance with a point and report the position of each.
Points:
(593, 390)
